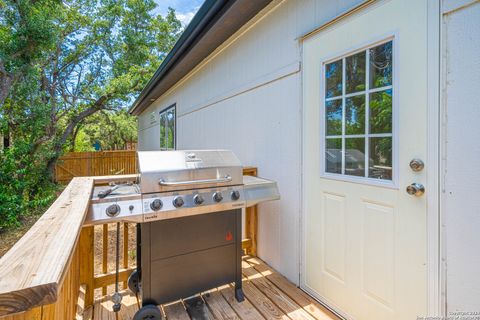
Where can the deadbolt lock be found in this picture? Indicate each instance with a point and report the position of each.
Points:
(417, 165)
(416, 189)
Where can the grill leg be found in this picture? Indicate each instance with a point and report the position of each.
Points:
(238, 272)
(239, 295)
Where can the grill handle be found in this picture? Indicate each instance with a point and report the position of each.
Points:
(162, 182)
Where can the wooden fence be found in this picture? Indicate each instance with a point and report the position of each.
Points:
(100, 163)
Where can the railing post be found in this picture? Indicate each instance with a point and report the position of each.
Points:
(251, 219)
(252, 228)
(86, 264)
(125, 250)
(104, 254)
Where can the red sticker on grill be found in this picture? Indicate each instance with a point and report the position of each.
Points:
(229, 236)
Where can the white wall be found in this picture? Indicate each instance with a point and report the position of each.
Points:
(461, 192)
(247, 98)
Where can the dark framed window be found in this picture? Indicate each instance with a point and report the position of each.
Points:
(168, 119)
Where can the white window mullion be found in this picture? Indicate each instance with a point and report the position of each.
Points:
(367, 112)
(355, 135)
(333, 98)
(379, 135)
(377, 89)
(353, 94)
(343, 114)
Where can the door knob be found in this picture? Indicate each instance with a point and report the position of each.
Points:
(417, 165)
(416, 189)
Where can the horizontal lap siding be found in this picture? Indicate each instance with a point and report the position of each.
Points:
(265, 139)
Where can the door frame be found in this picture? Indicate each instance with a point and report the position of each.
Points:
(435, 268)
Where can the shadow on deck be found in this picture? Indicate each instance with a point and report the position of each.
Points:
(268, 294)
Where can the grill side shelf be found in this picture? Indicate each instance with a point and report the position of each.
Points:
(259, 190)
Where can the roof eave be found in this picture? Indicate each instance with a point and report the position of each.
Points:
(213, 24)
(201, 18)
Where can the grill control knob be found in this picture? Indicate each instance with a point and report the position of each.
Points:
(156, 205)
(217, 197)
(178, 202)
(113, 210)
(235, 195)
(198, 199)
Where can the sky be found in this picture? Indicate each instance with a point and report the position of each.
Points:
(185, 9)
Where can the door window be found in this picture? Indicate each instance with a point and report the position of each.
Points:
(167, 128)
(358, 108)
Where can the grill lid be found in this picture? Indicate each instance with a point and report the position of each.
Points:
(162, 171)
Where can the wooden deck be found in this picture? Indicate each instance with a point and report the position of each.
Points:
(268, 294)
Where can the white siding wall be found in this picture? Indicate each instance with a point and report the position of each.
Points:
(248, 98)
(461, 196)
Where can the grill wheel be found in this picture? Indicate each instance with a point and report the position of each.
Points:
(133, 281)
(148, 312)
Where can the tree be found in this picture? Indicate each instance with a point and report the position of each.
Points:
(62, 62)
(105, 60)
(27, 33)
(95, 55)
(109, 130)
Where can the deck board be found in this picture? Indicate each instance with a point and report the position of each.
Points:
(300, 297)
(176, 311)
(262, 303)
(282, 300)
(268, 294)
(219, 307)
(245, 310)
(87, 314)
(211, 316)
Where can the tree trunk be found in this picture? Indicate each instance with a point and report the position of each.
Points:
(6, 140)
(60, 142)
(6, 82)
(74, 137)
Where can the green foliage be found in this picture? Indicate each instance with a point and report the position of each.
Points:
(27, 32)
(24, 188)
(111, 130)
(82, 142)
(68, 71)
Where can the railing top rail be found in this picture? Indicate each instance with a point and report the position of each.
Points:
(32, 271)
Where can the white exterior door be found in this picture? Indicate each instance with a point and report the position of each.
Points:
(365, 119)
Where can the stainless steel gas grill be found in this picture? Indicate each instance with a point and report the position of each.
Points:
(188, 207)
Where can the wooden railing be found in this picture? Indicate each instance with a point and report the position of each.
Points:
(50, 272)
(40, 274)
(101, 278)
(251, 221)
